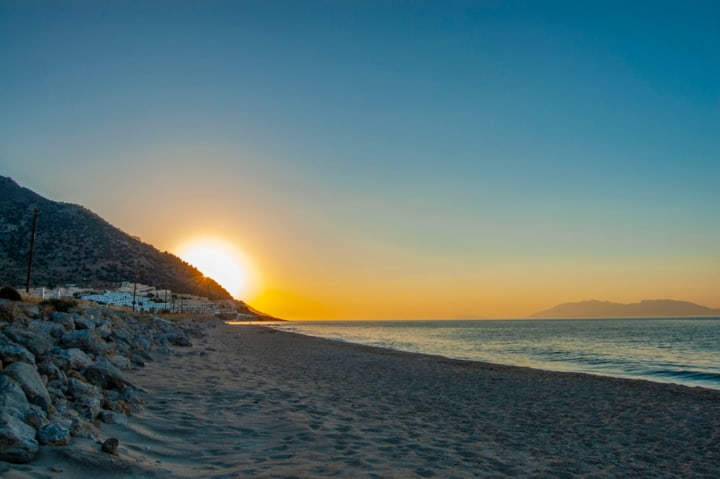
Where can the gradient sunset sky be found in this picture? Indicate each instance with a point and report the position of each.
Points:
(385, 159)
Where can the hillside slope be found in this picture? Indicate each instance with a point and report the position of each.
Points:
(73, 245)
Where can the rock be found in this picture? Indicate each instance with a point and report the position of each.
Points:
(56, 389)
(104, 330)
(85, 339)
(31, 311)
(120, 406)
(42, 402)
(27, 376)
(104, 374)
(36, 344)
(135, 361)
(121, 335)
(64, 319)
(54, 435)
(120, 361)
(83, 323)
(176, 339)
(78, 380)
(142, 343)
(89, 407)
(17, 440)
(36, 418)
(11, 352)
(47, 328)
(71, 373)
(12, 395)
(84, 429)
(139, 355)
(77, 388)
(52, 371)
(76, 359)
(110, 446)
(132, 399)
(110, 417)
(87, 399)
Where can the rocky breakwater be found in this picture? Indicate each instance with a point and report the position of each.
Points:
(61, 373)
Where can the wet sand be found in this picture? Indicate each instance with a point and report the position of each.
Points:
(247, 401)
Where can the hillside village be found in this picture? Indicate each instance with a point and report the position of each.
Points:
(144, 298)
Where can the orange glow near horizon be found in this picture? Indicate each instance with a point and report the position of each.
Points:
(223, 262)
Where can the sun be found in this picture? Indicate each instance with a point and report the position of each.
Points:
(220, 261)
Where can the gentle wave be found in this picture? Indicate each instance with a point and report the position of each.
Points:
(685, 374)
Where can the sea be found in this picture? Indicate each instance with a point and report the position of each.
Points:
(671, 350)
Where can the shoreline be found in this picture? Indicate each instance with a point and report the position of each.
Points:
(650, 375)
(251, 401)
(485, 364)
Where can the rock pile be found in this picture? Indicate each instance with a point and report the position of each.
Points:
(61, 373)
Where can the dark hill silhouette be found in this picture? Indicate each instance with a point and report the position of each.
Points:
(73, 245)
(645, 308)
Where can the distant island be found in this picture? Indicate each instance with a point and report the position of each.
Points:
(645, 308)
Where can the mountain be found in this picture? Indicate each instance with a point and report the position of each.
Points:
(645, 308)
(73, 245)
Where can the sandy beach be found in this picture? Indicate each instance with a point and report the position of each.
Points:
(247, 401)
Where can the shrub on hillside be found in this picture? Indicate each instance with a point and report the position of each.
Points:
(8, 292)
(63, 305)
(8, 312)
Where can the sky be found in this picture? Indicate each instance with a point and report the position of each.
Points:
(385, 159)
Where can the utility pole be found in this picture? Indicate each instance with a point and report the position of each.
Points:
(134, 293)
(32, 247)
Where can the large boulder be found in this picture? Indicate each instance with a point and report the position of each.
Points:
(12, 396)
(106, 375)
(48, 329)
(85, 339)
(74, 358)
(121, 333)
(11, 351)
(36, 344)
(29, 380)
(82, 322)
(77, 388)
(17, 440)
(64, 319)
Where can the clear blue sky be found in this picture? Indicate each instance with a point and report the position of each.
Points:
(481, 158)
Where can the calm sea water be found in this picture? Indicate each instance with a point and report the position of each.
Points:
(683, 351)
